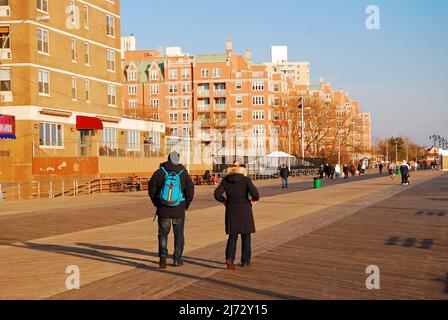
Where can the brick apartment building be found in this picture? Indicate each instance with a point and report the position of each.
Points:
(61, 81)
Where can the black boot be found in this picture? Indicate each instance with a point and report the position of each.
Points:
(162, 263)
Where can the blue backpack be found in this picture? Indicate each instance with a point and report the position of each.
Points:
(171, 194)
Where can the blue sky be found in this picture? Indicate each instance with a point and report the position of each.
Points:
(398, 73)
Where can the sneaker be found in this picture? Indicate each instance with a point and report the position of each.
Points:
(245, 264)
(162, 263)
(230, 265)
(177, 264)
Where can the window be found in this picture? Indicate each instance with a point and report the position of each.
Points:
(5, 80)
(110, 26)
(173, 103)
(173, 132)
(110, 137)
(276, 116)
(154, 89)
(185, 132)
(173, 88)
(87, 90)
(258, 115)
(185, 73)
(239, 100)
(86, 53)
(133, 140)
(132, 75)
(258, 85)
(154, 75)
(186, 103)
(42, 5)
(132, 90)
(173, 117)
(73, 49)
(204, 73)
(185, 116)
(258, 100)
(133, 104)
(172, 74)
(74, 88)
(42, 41)
(4, 37)
(216, 73)
(258, 129)
(50, 134)
(86, 17)
(112, 95)
(154, 103)
(238, 85)
(44, 82)
(276, 87)
(186, 88)
(72, 12)
(239, 115)
(110, 60)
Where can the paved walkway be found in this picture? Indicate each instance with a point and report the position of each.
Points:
(115, 244)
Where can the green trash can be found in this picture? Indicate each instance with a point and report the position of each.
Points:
(317, 183)
(398, 171)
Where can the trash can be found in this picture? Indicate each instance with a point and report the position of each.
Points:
(398, 171)
(317, 183)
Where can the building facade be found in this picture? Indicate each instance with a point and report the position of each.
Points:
(61, 80)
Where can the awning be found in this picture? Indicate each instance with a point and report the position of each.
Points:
(7, 127)
(88, 123)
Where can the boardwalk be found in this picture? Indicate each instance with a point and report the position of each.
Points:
(310, 245)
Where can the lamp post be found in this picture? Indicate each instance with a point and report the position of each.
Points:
(302, 127)
(434, 138)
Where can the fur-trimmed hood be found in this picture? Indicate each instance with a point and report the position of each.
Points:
(235, 174)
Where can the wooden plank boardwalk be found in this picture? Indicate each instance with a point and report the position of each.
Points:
(406, 236)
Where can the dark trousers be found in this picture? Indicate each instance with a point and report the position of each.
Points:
(405, 178)
(246, 253)
(284, 182)
(179, 240)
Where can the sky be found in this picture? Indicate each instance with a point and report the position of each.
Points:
(398, 73)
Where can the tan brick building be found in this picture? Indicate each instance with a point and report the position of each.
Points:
(61, 79)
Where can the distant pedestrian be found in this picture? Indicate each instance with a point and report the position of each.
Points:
(234, 193)
(327, 171)
(346, 171)
(353, 170)
(392, 170)
(321, 171)
(171, 191)
(363, 168)
(337, 171)
(405, 173)
(381, 167)
(207, 177)
(416, 166)
(284, 174)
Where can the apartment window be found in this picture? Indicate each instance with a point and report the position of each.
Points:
(44, 82)
(173, 103)
(132, 90)
(185, 73)
(132, 75)
(186, 103)
(5, 80)
(173, 117)
(133, 104)
(173, 132)
(277, 116)
(86, 53)
(239, 100)
(173, 88)
(216, 72)
(133, 140)
(72, 12)
(112, 95)
(42, 41)
(154, 75)
(258, 100)
(50, 134)
(154, 89)
(186, 88)
(258, 115)
(185, 116)
(86, 17)
(42, 5)
(172, 74)
(74, 88)
(110, 26)
(4, 37)
(258, 129)
(110, 60)
(204, 73)
(87, 90)
(238, 85)
(239, 115)
(154, 103)
(110, 137)
(258, 85)
(276, 87)
(73, 49)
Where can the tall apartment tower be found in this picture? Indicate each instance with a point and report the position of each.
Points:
(61, 86)
(128, 43)
(297, 72)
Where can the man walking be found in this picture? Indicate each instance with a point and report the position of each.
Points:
(405, 173)
(284, 174)
(171, 191)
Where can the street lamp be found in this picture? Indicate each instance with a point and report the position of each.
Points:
(45, 18)
(302, 109)
(434, 138)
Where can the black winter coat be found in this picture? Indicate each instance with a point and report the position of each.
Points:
(284, 172)
(155, 186)
(237, 189)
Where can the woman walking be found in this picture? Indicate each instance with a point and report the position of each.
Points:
(238, 194)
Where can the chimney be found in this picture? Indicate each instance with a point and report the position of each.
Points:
(229, 46)
(248, 55)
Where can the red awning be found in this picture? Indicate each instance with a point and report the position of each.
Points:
(88, 123)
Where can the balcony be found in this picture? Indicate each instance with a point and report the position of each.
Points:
(205, 122)
(220, 107)
(204, 108)
(5, 11)
(220, 123)
(203, 93)
(220, 92)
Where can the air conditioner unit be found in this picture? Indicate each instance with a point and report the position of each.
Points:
(5, 54)
(5, 11)
(6, 97)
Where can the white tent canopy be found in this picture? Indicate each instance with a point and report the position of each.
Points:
(279, 155)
